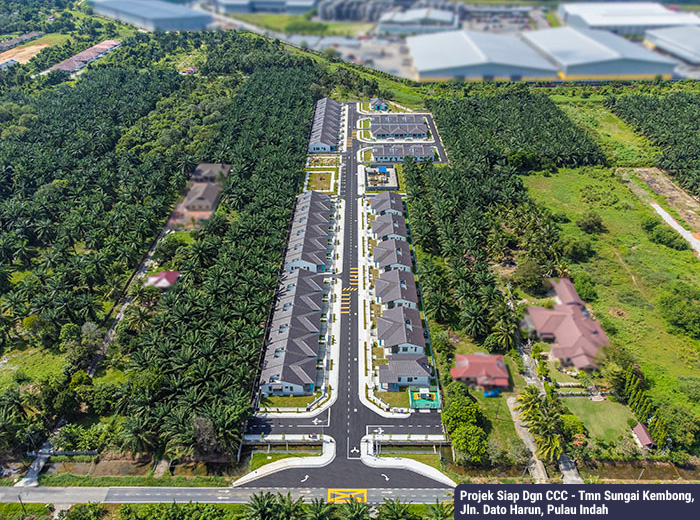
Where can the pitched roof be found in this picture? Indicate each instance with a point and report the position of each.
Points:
(392, 252)
(396, 285)
(403, 150)
(211, 170)
(404, 365)
(326, 124)
(643, 435)
(162, 280)
(202, 191)
(400, 325)
(566, 292)
(485, 369)
(387, 200)
(390, 224)
(377, 101)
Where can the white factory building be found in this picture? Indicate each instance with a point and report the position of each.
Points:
(628, 18)
(152, 15)
(476, 56)
(681, 42)
(273, 6)
(417, 21)
(592, 54)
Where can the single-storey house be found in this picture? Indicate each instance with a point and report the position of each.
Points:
(576, 337)
(379, 104)
(482, 370)
(403, 370)
(325, 130)
(396, 153)
(162, 280)
(387, 202)
(400, 330)
(202, 196)
(643, 437)
(389, 226)
(210, 172)
(391, 255)
(398, 126)
(396, 289)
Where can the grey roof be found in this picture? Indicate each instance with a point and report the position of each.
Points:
(392, 124)
(386, 200)
(326, 125)
(292, 342)
(683, 42)
(625, 14)
(396, 285)
(206, 192)
(378, 101)
(150, 9)
(12, 42)
(392, 252)
(400, 325)
(308, 237)
(568, 46)
(388, 224)
(211, 170)
(469, 48)
(425, 15)
(8, 63)
(403, 150)
(404, 365)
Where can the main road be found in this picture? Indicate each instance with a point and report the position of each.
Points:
(348, 420)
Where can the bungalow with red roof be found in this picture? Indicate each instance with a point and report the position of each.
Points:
(483, 370)
(576, 337)
(162, 280)
(643, 437)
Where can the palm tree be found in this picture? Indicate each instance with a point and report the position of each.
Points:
(261, 506)
(354, 510)
(440, 511)
(528, 402)
(319, 509)
(288, 508)
(395, 510)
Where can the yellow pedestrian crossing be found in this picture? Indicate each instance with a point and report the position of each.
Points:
(345, 301)
(354, 276)
(347, 495)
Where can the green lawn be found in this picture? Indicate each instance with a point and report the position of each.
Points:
(622, 146)
(289, 401)
(552, 18)
(603, 419)
(259, 458)
(109, 375)
(629, 272)
(33, 363)
(280, 22)
(72, 480)
(15, 512)
(320, 180)
(395, 399)
(431, 459)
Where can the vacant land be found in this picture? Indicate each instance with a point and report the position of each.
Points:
(622, 146)
(23, 366)
(296, 23)
(395, 399)
(629, 272)
(290, 401)
(23, 54)
(604, 419)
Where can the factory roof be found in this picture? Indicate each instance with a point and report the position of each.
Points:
(683, 42)
(150, 9)
(615, 14)
(468, 48)
(569, 46)
(415, 16)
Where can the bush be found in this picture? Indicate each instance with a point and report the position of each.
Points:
(576, 249)
(591, 223)
(529, 275)
(584, 286)
(668, 237)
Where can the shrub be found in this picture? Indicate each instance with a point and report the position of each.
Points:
(585, 287)
(668, 237)
(590, 222)
(529, 275)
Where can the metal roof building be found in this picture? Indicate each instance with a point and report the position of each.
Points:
(276, 6)
(591, 54)
(682, 42)
(152, 15)
(325, 131)
(476, 55)
(417, 21)
(631, 18)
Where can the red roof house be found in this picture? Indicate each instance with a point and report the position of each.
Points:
(162, 280)
(643, 436)
(481, 370)
(577, 338)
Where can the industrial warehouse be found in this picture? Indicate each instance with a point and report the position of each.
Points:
(275, 6)
(152, 15)
(628, 18)
(681, 42)
(591, 54)
(417, 21)
(476, 55)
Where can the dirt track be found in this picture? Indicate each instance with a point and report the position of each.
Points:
(22, 54)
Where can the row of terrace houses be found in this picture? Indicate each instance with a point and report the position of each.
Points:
(396, 153)
(297, 331)
(325, 130)
(398, 126)
(310, 239)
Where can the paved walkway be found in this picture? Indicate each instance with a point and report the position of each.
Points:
(535, 466)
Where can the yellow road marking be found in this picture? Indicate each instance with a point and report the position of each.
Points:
(347, 495)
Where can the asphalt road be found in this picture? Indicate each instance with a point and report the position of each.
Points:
(348, 420)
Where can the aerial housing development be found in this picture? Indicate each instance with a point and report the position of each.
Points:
(258, 259)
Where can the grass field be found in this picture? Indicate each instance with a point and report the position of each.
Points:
(395, 399)
(281, 23)
(603, 419)
(629, 272)
(320, 180)
(431, 459)
(32, 364)
(259, 459)
(72, 480)
(291, 401)
(622, 146)
(33, 511)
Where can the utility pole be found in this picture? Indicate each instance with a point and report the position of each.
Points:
(22, 504)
